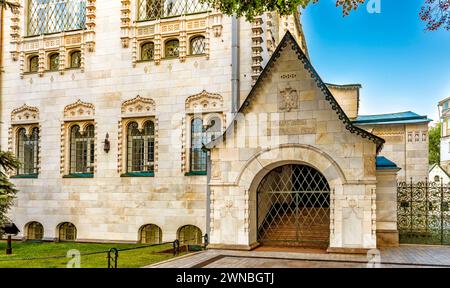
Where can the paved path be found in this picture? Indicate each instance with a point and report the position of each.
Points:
(403, 256)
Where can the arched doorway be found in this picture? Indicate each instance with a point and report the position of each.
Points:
(293, 207)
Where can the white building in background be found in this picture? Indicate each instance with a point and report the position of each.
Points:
(438, 175)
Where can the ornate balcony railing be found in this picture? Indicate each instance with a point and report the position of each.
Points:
(154, 9)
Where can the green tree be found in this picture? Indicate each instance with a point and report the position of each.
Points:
(7, 190)
(435, 144)
(7, 160)
(8, 4)
(436, 13)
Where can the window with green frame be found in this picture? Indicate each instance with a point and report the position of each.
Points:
(28, 151)
(141, 148)
(151, 234)
(82, 150)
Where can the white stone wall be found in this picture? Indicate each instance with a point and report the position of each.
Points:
(110, 207)
(439, 172)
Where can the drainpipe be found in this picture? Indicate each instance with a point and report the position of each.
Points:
(208, 193)
(2, 22)
(235, 63)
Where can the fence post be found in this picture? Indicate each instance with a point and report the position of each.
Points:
(176, 247)
(442, 212)
(206, 241)
(115, 255)
(411, 208)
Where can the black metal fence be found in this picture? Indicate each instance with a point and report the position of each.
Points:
(423, 212)
(112, 255)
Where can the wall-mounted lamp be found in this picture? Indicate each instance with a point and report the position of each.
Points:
(107, 144)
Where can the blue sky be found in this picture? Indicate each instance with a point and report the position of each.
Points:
(401, 66)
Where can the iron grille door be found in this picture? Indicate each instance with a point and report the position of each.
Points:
(294, 207)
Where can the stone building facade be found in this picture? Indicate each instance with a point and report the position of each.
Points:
(128, 118)
(96, 67)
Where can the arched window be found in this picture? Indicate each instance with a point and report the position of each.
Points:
(35, 231)
(53, 62)
(67, 232)
(198, 156)
(27, 151)
(82, 146)
(150, 234)
(190, 234)
(172, 48)
(198, 45)
(33, 64)
(141, 147)
(75, 59)
(147, 51)
(437, 178)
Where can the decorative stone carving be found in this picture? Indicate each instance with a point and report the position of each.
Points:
(289, 99)
(79, 109)
(138, 106)
(25, 114)
(204, 101)
(257, 40)
(125, 26)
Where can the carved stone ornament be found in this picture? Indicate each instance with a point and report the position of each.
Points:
(289, 99)
(79, 109)
(25, 114)
(138, 106)
(204, 101)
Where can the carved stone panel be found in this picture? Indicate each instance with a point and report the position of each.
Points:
(79, 110)
(204, 101)
(25, 114)
(138, 106)
(288, 99)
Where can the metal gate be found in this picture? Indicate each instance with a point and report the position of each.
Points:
(423, 213)
(294, 207)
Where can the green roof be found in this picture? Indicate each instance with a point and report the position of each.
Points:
(393, 118)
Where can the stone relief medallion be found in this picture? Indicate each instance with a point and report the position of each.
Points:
(289, 99)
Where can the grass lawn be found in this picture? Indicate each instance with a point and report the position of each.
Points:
(127, 259)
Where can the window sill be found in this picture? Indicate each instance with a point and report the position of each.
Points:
(196, 173)
(138, 174)
(81, 175)
(25, 176)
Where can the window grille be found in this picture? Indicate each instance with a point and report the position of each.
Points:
(154, 9)
(27, 151)
(82, 148)
(52, 16)
(198, 45)
(141, 148)
(151, 234)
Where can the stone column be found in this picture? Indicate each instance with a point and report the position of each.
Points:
(387, 232)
